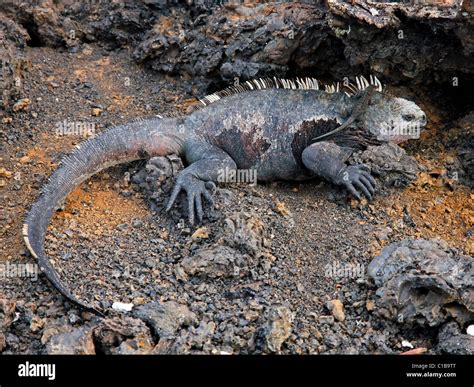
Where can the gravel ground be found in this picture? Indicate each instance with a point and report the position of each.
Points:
(260, 275)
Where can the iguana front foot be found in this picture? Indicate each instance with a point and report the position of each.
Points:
(357, 178)
(195, 189)
(327, 159)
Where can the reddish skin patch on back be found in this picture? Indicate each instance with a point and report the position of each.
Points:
(236, 143)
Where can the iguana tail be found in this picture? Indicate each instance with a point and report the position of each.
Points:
(121, 144)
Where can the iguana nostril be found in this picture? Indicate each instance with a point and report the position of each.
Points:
(408, 117)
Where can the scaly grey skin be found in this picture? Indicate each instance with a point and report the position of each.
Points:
(271, 130)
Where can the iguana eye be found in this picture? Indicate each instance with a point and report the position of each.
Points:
(408, 117)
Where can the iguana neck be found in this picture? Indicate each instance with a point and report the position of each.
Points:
(358, 110)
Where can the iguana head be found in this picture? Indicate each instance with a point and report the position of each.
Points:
(392, 119)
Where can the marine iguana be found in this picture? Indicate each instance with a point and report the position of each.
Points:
(285, 129)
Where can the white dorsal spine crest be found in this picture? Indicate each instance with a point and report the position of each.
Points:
(350, 89)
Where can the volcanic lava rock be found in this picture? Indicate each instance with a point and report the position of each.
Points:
(13, 40)
(123, 335)
(276, 330)
(240, 248)
(7, 309)
(215, 262)
(423, 282)
(165, 318)
(235, 40)
(452, 341)
(247, 233)
(77, 342)
(389, 164)
(155, 179)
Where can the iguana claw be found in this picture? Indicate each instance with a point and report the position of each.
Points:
(357, 177)
(195, 189)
